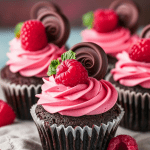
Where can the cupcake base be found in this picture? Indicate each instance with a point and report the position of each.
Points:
(136, 103)
(19, 92)
(74, 138)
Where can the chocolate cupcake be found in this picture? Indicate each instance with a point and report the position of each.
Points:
(112, 28)
(131, 77)
(36, 43)
(75, 111)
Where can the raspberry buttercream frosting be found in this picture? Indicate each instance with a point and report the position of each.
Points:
(94, 97)
(131, 73)
(112, 42)
(32, 63)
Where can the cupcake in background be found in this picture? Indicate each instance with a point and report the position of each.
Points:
(111, 28)
(75, 111)
(36, 43)
(131, 77)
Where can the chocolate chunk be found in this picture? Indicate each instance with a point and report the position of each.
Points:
(146, 32)
(128, 13)
(92, 57)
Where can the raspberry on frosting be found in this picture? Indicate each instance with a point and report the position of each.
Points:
(140, 51)
(70, 73)
(102, 20)
(33, 35)
(105, 20)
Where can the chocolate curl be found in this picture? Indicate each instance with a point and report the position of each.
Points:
(145, 32)
(128, 13)
(56, 24)
(92, 57)
(40, 7)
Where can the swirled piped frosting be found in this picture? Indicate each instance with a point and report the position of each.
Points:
(131, 73)
(32, 63)
(94, 97)
(112, 42)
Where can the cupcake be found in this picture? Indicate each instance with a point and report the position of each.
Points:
(111, 28)
(36, 43)
(131, 77)
(75, 111)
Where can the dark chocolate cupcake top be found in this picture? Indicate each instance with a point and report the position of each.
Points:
(91, 97)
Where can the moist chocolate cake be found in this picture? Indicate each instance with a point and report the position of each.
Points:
(81, 121)
(16, 78)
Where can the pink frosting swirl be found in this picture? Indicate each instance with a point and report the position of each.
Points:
(131, 73)
(32, 63)
(93, 98)
(112, 42)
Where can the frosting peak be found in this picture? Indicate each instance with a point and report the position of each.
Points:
(93, 98)
(29, 63)
(131, 73)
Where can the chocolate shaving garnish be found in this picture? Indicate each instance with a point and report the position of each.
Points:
(40, 7)
(56, 24)
(92, 57)
(128, 13)
(146, 32)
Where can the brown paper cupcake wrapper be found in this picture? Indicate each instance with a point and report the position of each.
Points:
(60, 138)
(20, 98)
(136, 107)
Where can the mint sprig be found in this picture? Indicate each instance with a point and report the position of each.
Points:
(18, 29)
(52, 67)
(88, 19)
(68, 55)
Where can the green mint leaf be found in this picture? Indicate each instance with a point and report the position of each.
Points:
(52, 67)
(68, 55)
(88, 19)
(18, 29)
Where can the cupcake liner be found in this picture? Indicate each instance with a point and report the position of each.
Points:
(20, 98)
(136, 107)
(55, 137)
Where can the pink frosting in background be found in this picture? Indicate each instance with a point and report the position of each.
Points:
(131, 73)
(93, 98)
(112, 42)
(32, 63)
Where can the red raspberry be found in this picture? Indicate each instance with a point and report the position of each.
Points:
(140, 51)
(70, 73)
(122, 142)
(105, 20)
(7, 115)
(33, 35)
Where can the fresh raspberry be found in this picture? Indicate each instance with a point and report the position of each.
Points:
(7, 115)
(122, 142)
(70, 73)
(33, 35)
(105, 20)
(140, 51)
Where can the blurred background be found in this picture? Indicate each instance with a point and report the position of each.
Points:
(14, 11)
